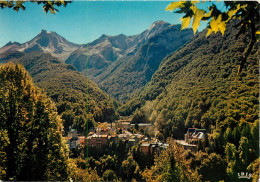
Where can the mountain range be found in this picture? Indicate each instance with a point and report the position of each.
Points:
(48, 42)
(107, 49)
(120, 65)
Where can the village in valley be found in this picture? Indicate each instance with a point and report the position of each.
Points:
(99, 138)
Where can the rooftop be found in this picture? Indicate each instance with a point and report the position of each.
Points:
(200, 130)
(145, 144)
(98, 136)
(182, 142)
(81, 137)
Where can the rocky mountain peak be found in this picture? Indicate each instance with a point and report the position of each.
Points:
(156, 28)
(12, 43)
(43, 31)
(50, 42)
(160, 23)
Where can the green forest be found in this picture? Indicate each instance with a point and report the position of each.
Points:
(32, 147)
(198, 86)
(77, 98)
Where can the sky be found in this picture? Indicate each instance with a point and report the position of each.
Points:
(84, 21)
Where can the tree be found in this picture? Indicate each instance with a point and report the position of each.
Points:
(130, 169)
(47, 5)
(246, 12)
(32, 147)
(243, 150)
(253, 168)
(109, 175)
(171, 165)
(232, 160)
(212, 168)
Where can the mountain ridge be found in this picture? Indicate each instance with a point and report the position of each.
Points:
(49, 42)
(109, 59)
(113, 58)
(132, 72)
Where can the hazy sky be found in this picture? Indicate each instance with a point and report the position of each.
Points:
(84, 21)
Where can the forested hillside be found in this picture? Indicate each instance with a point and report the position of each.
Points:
(198, 86)
(130, 73)
(122, 64)
(70, 90)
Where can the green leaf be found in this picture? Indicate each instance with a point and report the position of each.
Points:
(185, 22)
(175, 5)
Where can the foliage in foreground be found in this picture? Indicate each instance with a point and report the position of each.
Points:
(245, 12)
(31, 144)
(47, 5)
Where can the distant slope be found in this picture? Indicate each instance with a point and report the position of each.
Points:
(101, 53)
(123, 64)
(130, 73)
(197, 86)
(68, 88)
(49, 42)
(106, 49)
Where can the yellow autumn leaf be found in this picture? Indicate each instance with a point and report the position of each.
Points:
(194, 2)
(185, 22)
(209, 32)
(219, 18)
(218, 25)
(175, 5)
(244, 6)
(4, 2)
(221, 24)
(207, 15)
(52, 10)
(232, 12)
(198, 15)
(257, 32)
(222, 27)
(214, 25)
